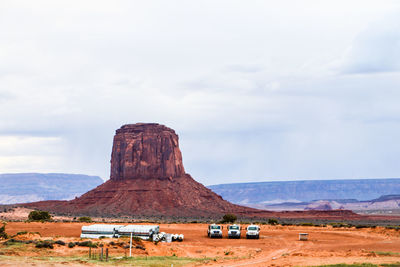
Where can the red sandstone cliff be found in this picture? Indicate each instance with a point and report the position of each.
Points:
(146, 151)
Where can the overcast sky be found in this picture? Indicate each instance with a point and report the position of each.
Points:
(256, 90)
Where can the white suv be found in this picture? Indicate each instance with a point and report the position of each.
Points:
(214, 230)
(253, 231)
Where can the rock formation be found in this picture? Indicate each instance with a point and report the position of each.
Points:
(146, 151)
(148, 179)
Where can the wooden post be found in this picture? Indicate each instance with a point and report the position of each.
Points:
(106, 254)
(101, 255)
(90, 252)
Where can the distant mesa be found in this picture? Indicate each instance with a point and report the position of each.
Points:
(29, 187)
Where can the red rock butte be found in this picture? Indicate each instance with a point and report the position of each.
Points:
(146, 151)
(147, 178)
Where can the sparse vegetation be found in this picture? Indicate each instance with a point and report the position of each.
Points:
(45, 244)
(3, 234)
(361, 265)
(89, 244)
(71, 244)
(147, 261)
(272, 221)
(229, 218)
(386, 253)
(38, 215)
(85, 219)
(60, 242)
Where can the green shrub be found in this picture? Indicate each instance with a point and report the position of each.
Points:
(85, 219)
(272, 221)
(21, 233)
(45, 244)
(3, 234)
(229, 218)
(60, 242)
(38, 215)
(306, 224)
(71, 244)
(86, 244)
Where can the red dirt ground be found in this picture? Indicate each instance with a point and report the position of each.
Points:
(277, 246)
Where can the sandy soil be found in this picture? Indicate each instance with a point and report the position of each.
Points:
(277, 246)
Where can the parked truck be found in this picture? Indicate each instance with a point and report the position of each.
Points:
(214, 230)
(234, 231)
(253, 231)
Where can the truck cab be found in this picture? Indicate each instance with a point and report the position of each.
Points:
(253, 231)
(234, 231)
(214, 230)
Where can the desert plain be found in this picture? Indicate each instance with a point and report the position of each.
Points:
(278, 246)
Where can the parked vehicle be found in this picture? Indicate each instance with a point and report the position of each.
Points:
(234, 231)
(253, 231)
(214, 230)
(141, 231)
(100, 230)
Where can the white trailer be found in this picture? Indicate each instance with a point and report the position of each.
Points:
(141, 231)
(100, 230)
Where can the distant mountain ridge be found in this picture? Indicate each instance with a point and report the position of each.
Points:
(30, 187)
(307, 191)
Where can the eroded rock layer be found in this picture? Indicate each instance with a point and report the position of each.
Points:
(146, 151)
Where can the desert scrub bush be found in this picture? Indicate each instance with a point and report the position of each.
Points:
(3, 234)
(340, 225)
(85, 219)
(89, 244)
(21, 233)
(13, 241)
(60, 242)
(71, 244)
(272, 221)
(306, 224)
(229, 218)
(45, 244)
(393, 227)
(38, 215)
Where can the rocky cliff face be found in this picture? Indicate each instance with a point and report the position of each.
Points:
(146, 151)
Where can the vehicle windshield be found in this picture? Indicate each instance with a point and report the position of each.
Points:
(233, 227)
(252, 228)
(215, 227)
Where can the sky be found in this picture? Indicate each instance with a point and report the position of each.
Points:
(256, 90)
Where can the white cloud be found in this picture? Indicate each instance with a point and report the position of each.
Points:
(377, 49)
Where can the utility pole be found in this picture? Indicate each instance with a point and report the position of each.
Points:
(130, 247)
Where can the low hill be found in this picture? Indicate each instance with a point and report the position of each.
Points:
(29, 187)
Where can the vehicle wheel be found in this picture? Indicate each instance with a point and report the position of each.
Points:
(257, 237)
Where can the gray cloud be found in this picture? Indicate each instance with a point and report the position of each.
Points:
(250, 93)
